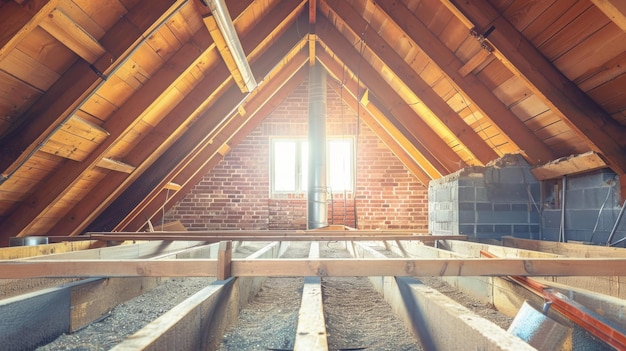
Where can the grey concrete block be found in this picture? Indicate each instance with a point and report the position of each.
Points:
(467, 217)
(484, 228)
(34, 319)
(482, 206)
(466, 206)
(467, 194)
(595, 197)
(551, 234)
(510, 193)
(502, 207)
(574, 199)
(504, 229)
(502, 217)
(580, 219)
(551, 218)
(481, 194)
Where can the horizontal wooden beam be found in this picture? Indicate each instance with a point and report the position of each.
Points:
(588, 161)
(329, 267)
(216, 238)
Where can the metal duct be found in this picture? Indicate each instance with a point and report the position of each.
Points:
(317, 206)
(225, 24)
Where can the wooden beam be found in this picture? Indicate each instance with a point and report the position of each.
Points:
(224, 257)
(9, 253)
(591, 123)
(192, 235)
(311, 328)
(613, 9)
(115, 165)
(329, 267)
(324, 231)
(586, 162)
(351, 57)
(514, 130)
(405, 73)
(566, 249)
(67, 31)
(222, 48)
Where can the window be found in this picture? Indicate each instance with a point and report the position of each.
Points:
(289, 165)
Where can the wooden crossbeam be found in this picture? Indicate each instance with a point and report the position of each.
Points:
(330, 267)
(217, 238)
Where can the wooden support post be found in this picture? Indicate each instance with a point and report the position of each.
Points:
(224, 256)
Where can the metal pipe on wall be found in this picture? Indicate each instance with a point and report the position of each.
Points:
(317, 205)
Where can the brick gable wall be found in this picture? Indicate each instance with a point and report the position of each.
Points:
(236, 193)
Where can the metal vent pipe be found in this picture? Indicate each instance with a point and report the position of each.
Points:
(317, 205)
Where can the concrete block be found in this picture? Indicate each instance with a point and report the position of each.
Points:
(481, 194)
(482, 206)
(484, 228)
(504, 229)
(551, 234)
(580, 219)
(467, 194)
(467, 217)
(510, 193)
(574, 199)
(501, 217)
(502, 207)
(595, 197)
(466, 206)
(521, 229)
(30, 320)
(551, 218)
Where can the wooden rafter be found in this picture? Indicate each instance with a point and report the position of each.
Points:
(613, 9)
(383, 50)
(470, 86)
(182, 152)
(337, 43)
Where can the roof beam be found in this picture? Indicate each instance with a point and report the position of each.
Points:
(338, 44)
(613, 9)
(435, 103)
(601, 132)
(516, 132)
(191, 142)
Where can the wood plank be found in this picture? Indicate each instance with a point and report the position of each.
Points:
(224, 257)
(570, 165)
(566, 249)
(14, 269)
(116, 165)
(9, 253)
(72, 35)
(311, 328)
(193, 235)
(511, 127)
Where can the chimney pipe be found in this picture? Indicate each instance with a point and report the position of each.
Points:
(317, 206)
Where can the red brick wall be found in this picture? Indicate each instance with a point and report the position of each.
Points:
(236, 193)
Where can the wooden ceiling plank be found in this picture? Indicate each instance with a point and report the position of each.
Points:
(76, 38)
(613, 9)
(602, 133)
(510, 126)
(17, 22)
(457, 127)
(149, 175)
(337, 43)
(70, 91)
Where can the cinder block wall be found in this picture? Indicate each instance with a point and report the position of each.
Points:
(487, 202)
(236, 193)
